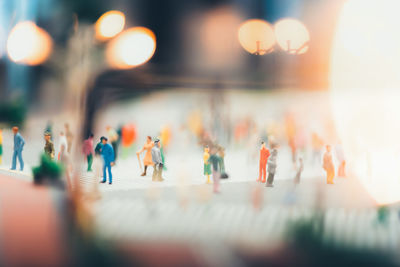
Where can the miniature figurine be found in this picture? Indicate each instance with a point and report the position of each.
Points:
(99, 146)
(107, 152)
(272, 167)
(49, 146)
(299, 170)
(19, 143)
(1, 146)
(328, 165)
(88, 151)
(63, 148)
(70, 137)
(97, 162)
(221, 154)
(49, 129)
(342, 162)
(157, 160)
(113, 137)
(215, 162)
(147, 160)
(264, 155)
(207, 165)
(317, 146)
(163, 156)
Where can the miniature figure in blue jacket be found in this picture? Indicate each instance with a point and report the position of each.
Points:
(19, 143)
(107, 153)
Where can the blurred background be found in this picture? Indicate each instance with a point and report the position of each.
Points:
(228, 74)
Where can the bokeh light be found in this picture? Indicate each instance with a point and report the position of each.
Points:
(256, 36)
(131, 48)
(292, 36)
(29, 44)
(109, 25)
(365, 83)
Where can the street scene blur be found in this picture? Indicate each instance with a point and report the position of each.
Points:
(199, 133)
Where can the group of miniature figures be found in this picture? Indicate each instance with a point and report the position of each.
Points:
(213, 157)
(214, 165)
(153, 157)
(268, 159)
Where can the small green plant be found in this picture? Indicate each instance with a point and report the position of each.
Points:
(13, 112)
(48, 170)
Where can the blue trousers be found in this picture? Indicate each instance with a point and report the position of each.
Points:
(107, 165)
(17, 153)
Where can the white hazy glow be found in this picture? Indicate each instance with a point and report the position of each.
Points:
(365, 88)
(109, 24)
(28, 44)
(253, 31)
(131, 48)
(292, 36)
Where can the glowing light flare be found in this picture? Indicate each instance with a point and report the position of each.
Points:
(292, 36)
(109, 25)
(131, 48)
(29, 44)
(256, 36)
(365, 83)
(218, 31)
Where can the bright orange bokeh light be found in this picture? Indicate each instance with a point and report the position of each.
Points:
(292, 36)
(29, 44)
(131, 48)
(109, 24)
(256, 36)
(365, 84)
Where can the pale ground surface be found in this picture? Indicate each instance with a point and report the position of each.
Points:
(184, 209)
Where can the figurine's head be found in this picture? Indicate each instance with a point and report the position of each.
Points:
(104, 140)
(206, 149)
(328, 148)
(91, 136)
(47, 136)
(15, 129)
(157, 142)
(149, 139)
(262, 144)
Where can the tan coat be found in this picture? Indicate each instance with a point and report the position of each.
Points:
(147, 160)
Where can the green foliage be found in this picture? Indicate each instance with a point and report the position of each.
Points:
(383, 214)
(47, 170)
(13, 112)
(306, 238)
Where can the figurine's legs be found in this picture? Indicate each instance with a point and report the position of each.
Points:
(145, 170)
(159, 174)
(90, 162)
(21, 160)
(216, 177)
(330, 173)
(1, 160)
(104, 173)
(109, 173)
(155, 171)
(208, 179)
(14, 161)
(263, 173)
(270, 179)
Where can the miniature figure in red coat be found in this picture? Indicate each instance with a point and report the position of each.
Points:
(264, 155)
